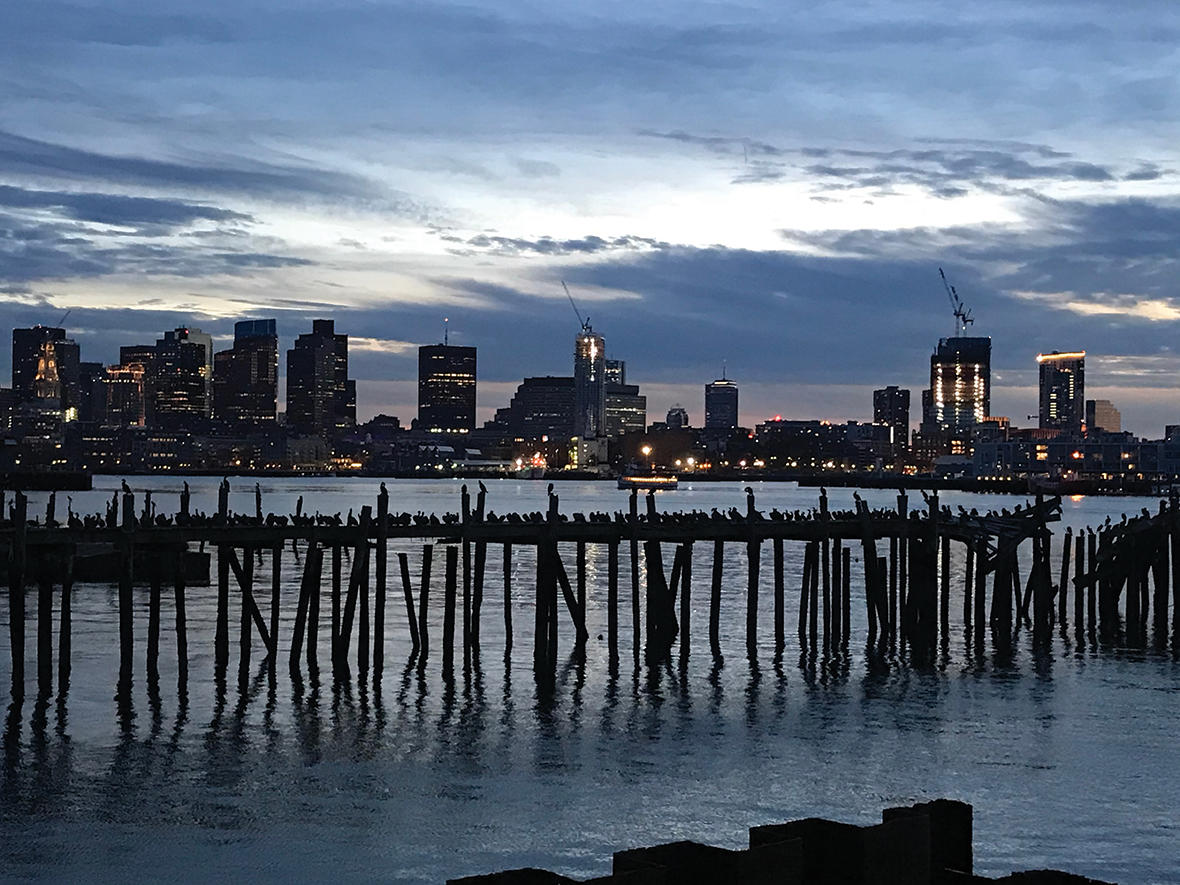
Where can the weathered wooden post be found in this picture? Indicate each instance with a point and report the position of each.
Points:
(804, 593)
(838, 591)
(181, 624)
(685, 602)
(246, 582)
(779, 599)
(65, 628)
(508, 596)
(1079, 591)
(423, 598)
(465, 522)
(45, 624)
(825, 566)
(126, 576)
(481, 558)
(379, 590)
(450, 589)
(1063, 584)
(403, 561)
(612, 600)
(276, 566)
(336, 566)
(221, 630)
(153, 637)
(715, 598)
(944, 605)
(16, 593)
(633, 516)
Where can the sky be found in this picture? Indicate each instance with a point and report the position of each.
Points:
(762, 186)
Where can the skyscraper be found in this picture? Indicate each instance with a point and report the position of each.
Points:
(27, 348)
(677, 417)
(446, 388)
(1101, 414)
(321, 400)
(179, 379)
(626, 409)
(616, 372)
(48, 347)
(960, 383)
(891, 407)
(589, 384)
(721, 404)
(246, 377)
(543, 406)
(1063, 400)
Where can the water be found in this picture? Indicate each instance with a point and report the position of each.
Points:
(1069, 758)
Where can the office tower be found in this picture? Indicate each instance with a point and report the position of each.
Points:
(626, 409)
(321, 400)
(246, 377)
(677, 417)
(721, 404)
(1063, 401)
(446, 388)
(960, 383)
(92, 379)
(1102, 415)
(28, 346)
(589, 384)
(616, 372)
(891, 408)
(542, 407)
(179, 373)
(206, 341)
(126, 399)
(47, 347)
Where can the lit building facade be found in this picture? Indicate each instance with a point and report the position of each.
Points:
(721, 405)
(960, 383)
(589, 384)
(446, 388)
(321, 399)
(1063, 400)
(891, 408)
(542, 407)
(626, 409)
(180, 379)
(246, 377)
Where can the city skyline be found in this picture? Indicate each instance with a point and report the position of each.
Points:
(744, 200)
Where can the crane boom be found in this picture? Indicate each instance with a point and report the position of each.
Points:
(963, 316)
(584, 323)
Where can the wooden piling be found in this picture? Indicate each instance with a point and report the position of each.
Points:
(481, 562)
(753, 557)
(633, 518)
(450, 589)
(153, 637)
(16, 594)
(507, 563)
(403, 561)
(45, 627)
(968, 585)
(685, 601)
(838, 592)
(804, 594)
(65, 622)
(181, 623)
(336, 578)
(1092, 590)
(423, 599)
(364, 626)
(276, 575)
(126, 611)
(944, 601)
(1063, 583)
(379, 590)
(813, 603)
(846, 592)
(1079, 592)
(779, 598)
(715, 598)
(612, 600)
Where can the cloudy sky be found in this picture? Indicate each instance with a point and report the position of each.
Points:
(770, 185)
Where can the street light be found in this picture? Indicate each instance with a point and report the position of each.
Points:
(646, 450)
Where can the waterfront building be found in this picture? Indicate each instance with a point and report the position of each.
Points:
(321, 399)
(1062, 387)
(246, 377)
(446, 388)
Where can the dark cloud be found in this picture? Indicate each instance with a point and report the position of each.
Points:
(145, 213)
(589, 245)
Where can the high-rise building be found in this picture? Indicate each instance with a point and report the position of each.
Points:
(92, 379)
(126, 400)
(891, 408)
(626, 409)
(46, 348)
(677, 417)
(446, 388)
(589, 384)
(179, 373)
(616, 372)
(542, 406)
(1102, 415)
(721, 404)
(321, 399)
(246, 377)
(1063, 400)
(960, 384)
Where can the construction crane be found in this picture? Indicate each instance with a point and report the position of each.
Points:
(585, 323)
(963, 316)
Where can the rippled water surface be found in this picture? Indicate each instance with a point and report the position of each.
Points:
(1070, 758)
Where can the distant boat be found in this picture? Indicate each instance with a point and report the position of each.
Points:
(530, 473)
(645, 481)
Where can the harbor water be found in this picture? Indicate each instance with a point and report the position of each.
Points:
(1069, 756)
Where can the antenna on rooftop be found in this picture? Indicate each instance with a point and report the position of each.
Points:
(446, 331)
